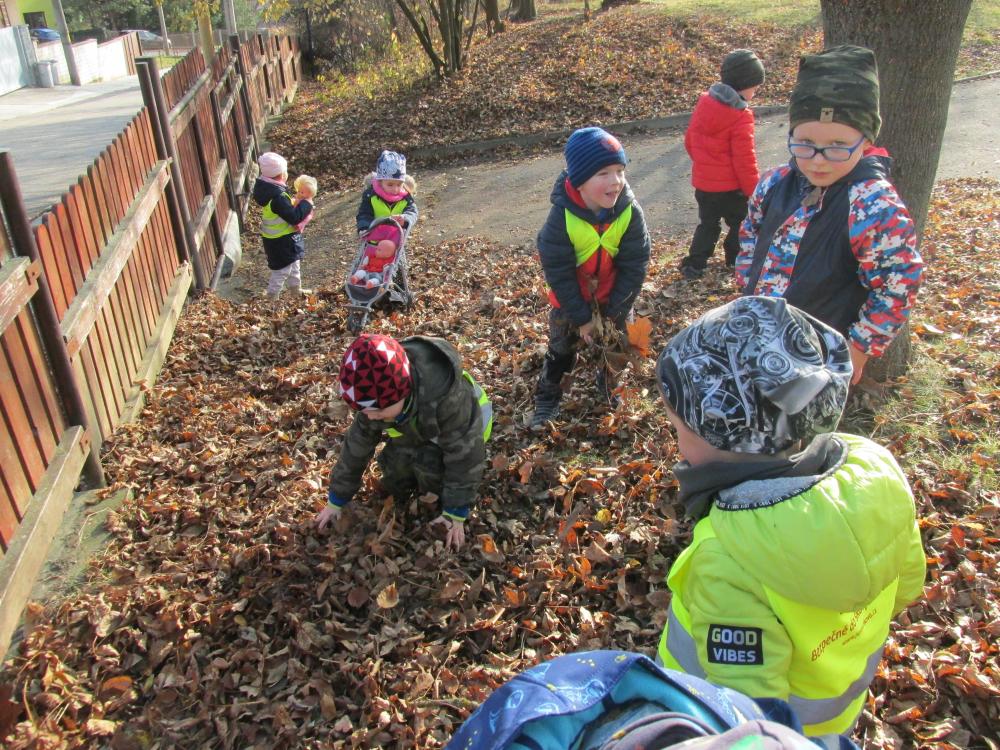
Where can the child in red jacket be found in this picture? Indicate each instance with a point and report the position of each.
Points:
(724, 172)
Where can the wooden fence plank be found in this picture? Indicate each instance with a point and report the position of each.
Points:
(54, 422)
(60, 285)
(38, 443)
(18, 282)
(25, 557)
(18, 421)
(79, 319)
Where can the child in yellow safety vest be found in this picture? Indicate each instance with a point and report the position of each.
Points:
(806, 544)
(388, 192)
(282, 219)
(593, 246)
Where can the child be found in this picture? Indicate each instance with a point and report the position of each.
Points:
(436, 419)
(623, 701)
(279, 227)
(806, 544)
(827, 231)
(594, 244)
(724, 173)
(388, 192)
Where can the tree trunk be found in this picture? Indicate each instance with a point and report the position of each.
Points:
(493, 23)
(523, 10)
(916, 46)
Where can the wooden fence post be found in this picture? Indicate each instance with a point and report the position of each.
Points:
(152, 95)
(44, 309)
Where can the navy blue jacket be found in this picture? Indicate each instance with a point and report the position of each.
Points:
(282, 251)
(366, 214)
(559, 258)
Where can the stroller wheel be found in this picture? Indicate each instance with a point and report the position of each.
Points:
(356, 320)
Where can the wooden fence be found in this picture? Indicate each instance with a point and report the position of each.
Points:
(90, 296)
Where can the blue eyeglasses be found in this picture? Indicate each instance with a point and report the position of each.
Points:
(830, 153)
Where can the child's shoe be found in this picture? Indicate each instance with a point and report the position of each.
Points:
(604, 388)
(301, 290)
(691, 273)
(547, 398)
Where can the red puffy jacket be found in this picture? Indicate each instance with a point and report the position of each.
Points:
(719, 140)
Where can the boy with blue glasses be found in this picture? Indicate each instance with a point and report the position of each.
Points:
(827, 231)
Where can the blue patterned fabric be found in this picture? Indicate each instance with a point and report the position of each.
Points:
(548, 706)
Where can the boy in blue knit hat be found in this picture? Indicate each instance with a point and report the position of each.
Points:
(593, 247)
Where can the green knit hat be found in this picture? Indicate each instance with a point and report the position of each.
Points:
(839, 84)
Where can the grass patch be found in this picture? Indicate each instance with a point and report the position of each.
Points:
(786, 13)
(168, 61)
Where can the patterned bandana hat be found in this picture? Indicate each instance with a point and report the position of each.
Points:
(391, 166)
(756, 376)
(375, 372)
(839, 84)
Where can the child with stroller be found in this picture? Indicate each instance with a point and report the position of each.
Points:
(388, 193)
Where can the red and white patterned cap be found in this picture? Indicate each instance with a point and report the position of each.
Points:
(375, 372)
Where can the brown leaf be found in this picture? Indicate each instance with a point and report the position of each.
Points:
(388, 597)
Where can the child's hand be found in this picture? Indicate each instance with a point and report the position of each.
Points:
(329, 513)
(455, 531)
(859, 359)
(400, 219)
(587, 331)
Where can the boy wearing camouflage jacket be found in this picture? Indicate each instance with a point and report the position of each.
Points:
(827, 231)
(414, 396)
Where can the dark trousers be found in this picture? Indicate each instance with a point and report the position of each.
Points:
(713, 208)
(564, 337)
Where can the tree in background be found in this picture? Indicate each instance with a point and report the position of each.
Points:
(916, 45)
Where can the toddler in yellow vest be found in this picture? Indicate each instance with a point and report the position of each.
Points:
(593, 247)
(806, 544)
(282, 219)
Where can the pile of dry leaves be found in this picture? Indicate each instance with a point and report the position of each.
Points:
(219, 617)
(553, 75)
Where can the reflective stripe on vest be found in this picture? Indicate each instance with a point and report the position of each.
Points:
(273, 226)
(818, 666)
(383, 209)
(586, 240)
(485, 409)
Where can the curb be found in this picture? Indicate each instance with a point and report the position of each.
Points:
(654, 124)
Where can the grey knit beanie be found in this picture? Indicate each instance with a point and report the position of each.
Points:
(742, 69)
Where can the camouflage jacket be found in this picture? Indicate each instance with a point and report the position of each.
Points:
(442, 411)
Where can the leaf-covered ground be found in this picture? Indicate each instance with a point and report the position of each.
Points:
(554, 74)
(219, 617)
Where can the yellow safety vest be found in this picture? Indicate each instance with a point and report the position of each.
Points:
(485, 407)
(383, 209)
(273, 226)
(834, 654)
(586, 240)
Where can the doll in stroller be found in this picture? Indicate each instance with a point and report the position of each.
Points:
(379, 268)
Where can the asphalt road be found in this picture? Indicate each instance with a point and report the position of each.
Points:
(55, 134)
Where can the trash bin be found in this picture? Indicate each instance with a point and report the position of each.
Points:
(47, 73)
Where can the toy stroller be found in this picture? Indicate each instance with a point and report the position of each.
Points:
(394, 280)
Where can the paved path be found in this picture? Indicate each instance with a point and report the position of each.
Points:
(509, 202)
(55, 134)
